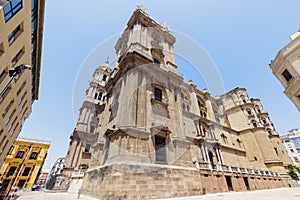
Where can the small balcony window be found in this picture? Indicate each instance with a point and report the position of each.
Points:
(286, 74)
(33, 156)
(20, 154)
(158, 94)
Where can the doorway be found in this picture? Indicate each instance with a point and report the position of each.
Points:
(246, 183)
(160, 149)
(229, 183)
(211, 158)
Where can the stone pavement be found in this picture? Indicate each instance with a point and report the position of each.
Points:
(40, 195)
(273, 194)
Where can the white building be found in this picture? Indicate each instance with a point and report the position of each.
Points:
(55, 175)
(291, 142)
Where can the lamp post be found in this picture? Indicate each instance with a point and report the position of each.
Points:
(13, 72)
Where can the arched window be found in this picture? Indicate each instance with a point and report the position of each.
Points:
(243, 98)
(200, 104)
(257, 108)
(269, 131)
(254, 123)
(100, 96)
(104, 77)
(249, 111)
(263, 120)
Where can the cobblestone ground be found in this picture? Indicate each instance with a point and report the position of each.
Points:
(274, 194)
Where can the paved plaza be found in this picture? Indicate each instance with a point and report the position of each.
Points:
(273, 194)
(40, 195)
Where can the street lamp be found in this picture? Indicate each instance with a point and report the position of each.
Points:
(13, 72)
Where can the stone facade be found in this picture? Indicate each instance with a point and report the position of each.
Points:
(157, 136)
(286, 68)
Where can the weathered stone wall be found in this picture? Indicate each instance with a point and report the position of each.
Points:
(154, 181)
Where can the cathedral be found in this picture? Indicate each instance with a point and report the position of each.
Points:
(145, 133)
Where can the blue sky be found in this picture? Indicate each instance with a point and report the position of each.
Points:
(241, 37)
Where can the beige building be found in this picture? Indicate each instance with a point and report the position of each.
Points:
(21, 28)
(144, 133)
(286, 68)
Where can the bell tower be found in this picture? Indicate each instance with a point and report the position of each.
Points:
(146, 37)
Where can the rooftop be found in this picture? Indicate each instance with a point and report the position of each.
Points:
(33, 140)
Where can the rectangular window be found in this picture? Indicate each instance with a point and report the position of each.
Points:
(158, 94)
(87, 148)
(5, 93)
(21, 88)
(1, 142)
(1, 48)
(10, 126)
(7, 108)
(21, 183)
(17, 57)
(5, 144)
(26, 171)
(21, 116)
(92, 129)
(11, 150)
(13, 131)
(10, 117)
(286, 74)
(11, 171)
(21, 99)
(3, 75)
(20, 154)
(11, 8)
(5, 184)
(14, 34)
(33, 156)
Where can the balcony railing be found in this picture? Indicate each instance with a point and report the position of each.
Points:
(238, 170)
